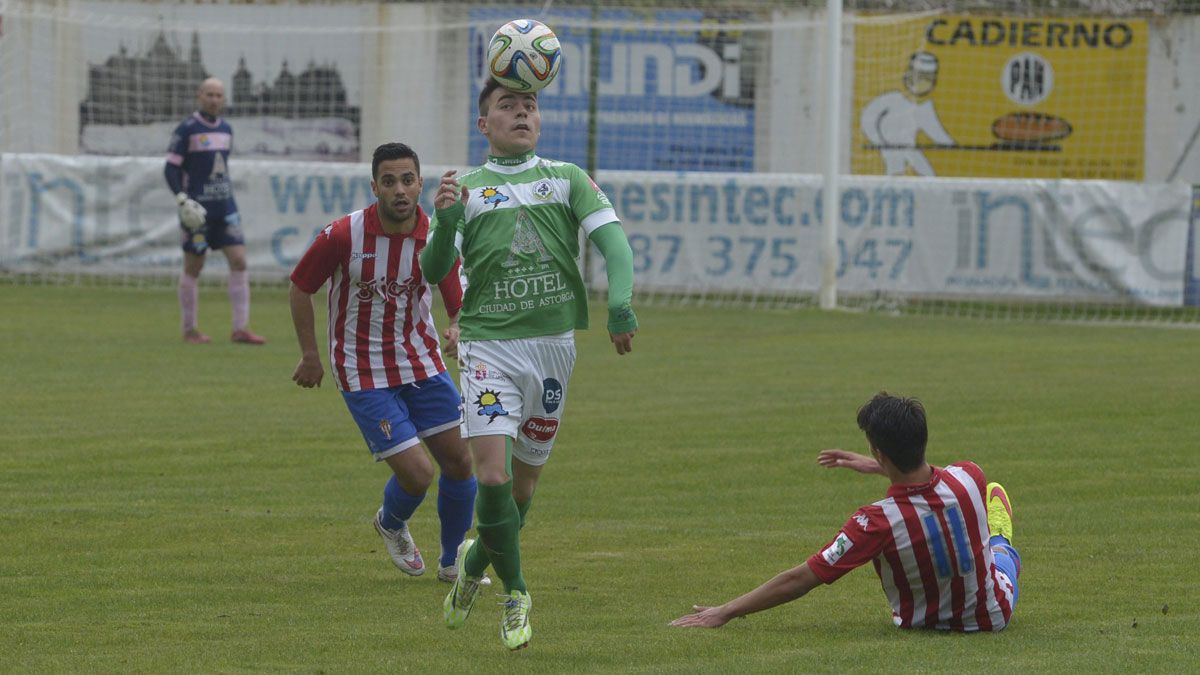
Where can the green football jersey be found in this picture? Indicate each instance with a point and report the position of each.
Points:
(519, 242)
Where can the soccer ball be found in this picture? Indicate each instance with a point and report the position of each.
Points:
(524, 55)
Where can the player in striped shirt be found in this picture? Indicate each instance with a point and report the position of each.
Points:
(197, 172)
(385, 356)
(940, 541)
(516, 221)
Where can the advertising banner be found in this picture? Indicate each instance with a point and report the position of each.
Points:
(674, 100)
(701, 232)
(1090, 241)
(1036, 97)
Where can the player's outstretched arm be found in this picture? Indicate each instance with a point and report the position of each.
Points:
(782, 588)
(309, 372)
(836, 458)
(618, 265)
(438, 256)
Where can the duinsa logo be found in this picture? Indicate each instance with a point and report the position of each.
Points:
(641, 68)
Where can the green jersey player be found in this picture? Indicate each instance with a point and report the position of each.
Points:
(515, 221)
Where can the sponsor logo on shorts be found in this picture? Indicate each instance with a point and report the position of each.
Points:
(481, 371)
(488, 404)
(552, 394)
(540, 429)
(385, 426)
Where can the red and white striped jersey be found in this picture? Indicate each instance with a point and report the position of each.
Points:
(381, 331)
(929, 546)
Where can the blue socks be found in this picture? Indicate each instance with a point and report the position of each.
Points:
(398, 505)
(456, 507)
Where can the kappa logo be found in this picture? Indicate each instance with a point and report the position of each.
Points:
(862, 520)
(385, 426)
(543, 191)
(328, 231)
(488, 405)
(540, 429)
(493, 196)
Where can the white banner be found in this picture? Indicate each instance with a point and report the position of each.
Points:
(116, 216)
(1085, 240)
(702, 232)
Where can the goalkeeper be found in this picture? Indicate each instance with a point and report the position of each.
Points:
(516, 222)
(198, 175)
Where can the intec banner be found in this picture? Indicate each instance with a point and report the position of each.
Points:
(1000, 97)
(699, 232)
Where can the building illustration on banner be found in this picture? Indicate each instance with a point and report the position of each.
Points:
(134, 100)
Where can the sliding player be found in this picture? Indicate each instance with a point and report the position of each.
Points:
(940, 541)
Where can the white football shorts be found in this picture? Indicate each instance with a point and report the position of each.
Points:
(517, 388)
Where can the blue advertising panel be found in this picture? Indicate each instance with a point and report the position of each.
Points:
(676, 90)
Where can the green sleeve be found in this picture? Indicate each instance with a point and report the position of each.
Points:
(618, 263)
(437, 258)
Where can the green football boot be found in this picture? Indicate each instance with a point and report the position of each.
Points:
(999, 511)
(514, 625)
(457, 606)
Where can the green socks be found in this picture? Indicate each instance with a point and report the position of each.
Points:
(499, 524)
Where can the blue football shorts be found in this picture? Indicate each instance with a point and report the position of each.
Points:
(219, 231)
(394, 419)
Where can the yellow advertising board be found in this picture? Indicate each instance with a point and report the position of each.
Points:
(994, 96)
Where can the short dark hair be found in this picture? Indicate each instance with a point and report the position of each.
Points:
(492, 85)
(389, 151)
(895, 426)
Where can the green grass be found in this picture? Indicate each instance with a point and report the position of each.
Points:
(168, 508)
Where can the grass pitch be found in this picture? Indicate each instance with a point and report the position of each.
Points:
(176, 508)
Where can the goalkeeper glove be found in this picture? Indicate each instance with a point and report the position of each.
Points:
(191, 212)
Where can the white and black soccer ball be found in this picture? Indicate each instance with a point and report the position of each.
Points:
(524, 55)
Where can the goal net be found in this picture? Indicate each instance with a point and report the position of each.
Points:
(997, 162)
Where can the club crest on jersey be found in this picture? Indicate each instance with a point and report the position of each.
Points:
(493, 196)
(543, 191)
(540, 429)
(204, 140)
(385, 427)
(837, 549)
(488, 404)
